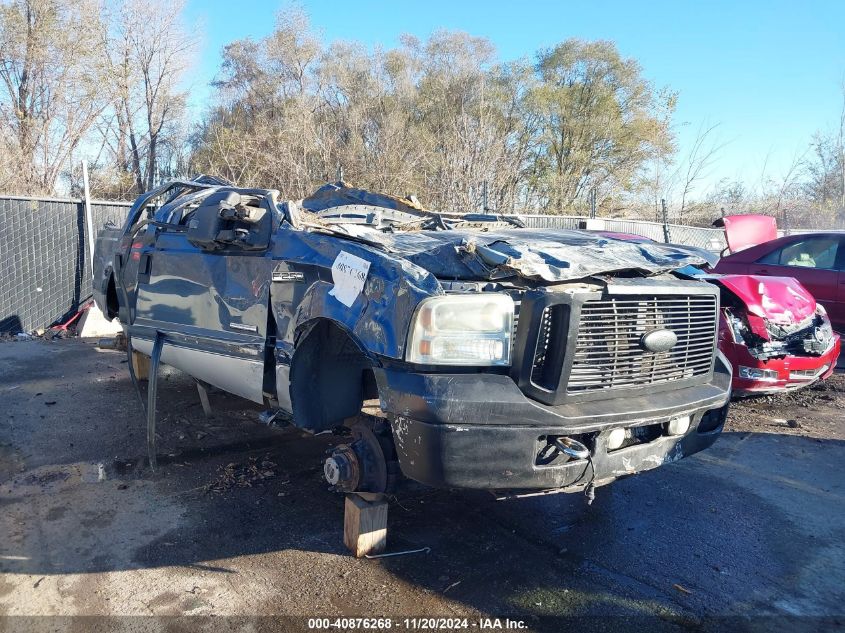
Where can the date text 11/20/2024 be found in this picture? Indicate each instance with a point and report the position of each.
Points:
(434, 624)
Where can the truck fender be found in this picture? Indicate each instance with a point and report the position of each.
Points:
(329, 375)
(379, 315)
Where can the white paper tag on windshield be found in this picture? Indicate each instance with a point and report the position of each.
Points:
(349, 273)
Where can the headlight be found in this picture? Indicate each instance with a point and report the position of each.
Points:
(753, 373)
(462, 330)
(738, 327)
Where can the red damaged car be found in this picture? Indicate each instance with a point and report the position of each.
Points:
(772, 330)
(817, 260)
(774, 333)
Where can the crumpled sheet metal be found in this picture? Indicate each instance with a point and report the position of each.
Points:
(380, 320)
(781, 300)
(405, 268)
(340, 193)
(745, 231)
(547, 255)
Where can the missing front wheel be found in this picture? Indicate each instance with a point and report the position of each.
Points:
(367, 463)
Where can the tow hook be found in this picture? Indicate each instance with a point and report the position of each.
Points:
(572, 448)
(576, 450)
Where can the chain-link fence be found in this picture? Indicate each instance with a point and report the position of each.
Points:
(709, 239)
(44, 258)
(552, 221)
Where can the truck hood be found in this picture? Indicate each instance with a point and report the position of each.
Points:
(548, 255)
(779, 300)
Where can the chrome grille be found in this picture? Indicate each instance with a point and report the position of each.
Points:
(608, 352)
(540, 354)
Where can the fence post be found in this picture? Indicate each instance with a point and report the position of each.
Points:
(665, 220)
(89, 218)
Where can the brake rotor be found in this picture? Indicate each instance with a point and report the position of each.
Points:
(363, 464)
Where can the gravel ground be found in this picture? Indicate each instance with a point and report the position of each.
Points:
(237, 521)
(814, 411)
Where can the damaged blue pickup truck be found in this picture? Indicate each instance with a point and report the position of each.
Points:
(500, 357)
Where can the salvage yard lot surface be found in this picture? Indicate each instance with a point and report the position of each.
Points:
(237, 521)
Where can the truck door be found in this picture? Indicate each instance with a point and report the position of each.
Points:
(210, 297)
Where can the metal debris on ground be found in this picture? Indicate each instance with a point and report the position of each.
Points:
(109, 343)
(268, 417)
(244, 475)
(452, 586)
(408, 551)
(273, 418)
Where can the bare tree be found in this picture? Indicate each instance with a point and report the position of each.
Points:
(50, 84)
(434, 118)
(147, 52)
(265, 128)
(787, 188)
(699, 159)
(656, 177)
(842, 153)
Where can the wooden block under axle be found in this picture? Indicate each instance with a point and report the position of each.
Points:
(141, 365)
(364, 525)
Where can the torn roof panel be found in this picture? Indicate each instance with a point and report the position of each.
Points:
(341, 194)
(480, 246)
(548, 255)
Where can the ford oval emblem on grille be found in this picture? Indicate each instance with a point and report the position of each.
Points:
(659, 340)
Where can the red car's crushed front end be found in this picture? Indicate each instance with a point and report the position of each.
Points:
(774, 333)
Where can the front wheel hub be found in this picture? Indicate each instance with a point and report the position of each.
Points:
(342, 469)
(367, 464)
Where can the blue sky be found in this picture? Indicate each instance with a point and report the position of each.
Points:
(769, 73)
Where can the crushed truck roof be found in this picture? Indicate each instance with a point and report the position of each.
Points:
(548, 254)
(484, 245)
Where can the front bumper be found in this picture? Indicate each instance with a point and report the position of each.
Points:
(793, 372)
(480, 431)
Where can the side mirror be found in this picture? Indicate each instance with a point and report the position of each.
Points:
(227, 219)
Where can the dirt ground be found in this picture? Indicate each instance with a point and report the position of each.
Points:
(237, 521)
(815, 411)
